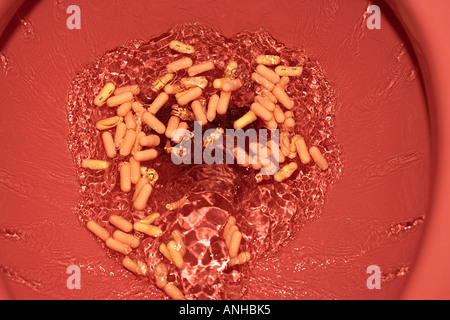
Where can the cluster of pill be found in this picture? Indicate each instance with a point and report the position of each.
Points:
(272, 106)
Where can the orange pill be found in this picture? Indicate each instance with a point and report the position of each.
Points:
(141, 183)
(125, 177)
(172, 89)
(134, 267)
(159, 102)
(118, 246)
(282, 97)
(98, 230)
(119, 99)
(199, 114)
(235, 243)
(137, 146)
(262, 81)
(138, 107)
(268, 74)
(272, 124)
(135, 170)
(232, 85)
(200, 68)
(233, 229)
(183, 63)
(146, 155)
(223, 103)
(218, 83)
(279, 114)
(128, 142)
(289, 123)
(150, 141)
(261, 112)
(318, 158)
(172, 291)
(124, 109)
(302, 149)
(212, 108)
(189, 96)
(120, 223)
(172, 125)
(134, 89)
(121, 130)
(284, 81)
(108, 143)
(265, 102)
(154, 122)
(161, 275)
(181, 131)
(142, 198)
(126, 238)
(130, 121)
(231, 222)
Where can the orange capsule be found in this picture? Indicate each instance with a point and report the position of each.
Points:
(128, 142)
(108, 143)
(268, 74)
(266, 102)
(235, 243)
(172, 125)
(138, 107)
(289, 123)
(118, 246)
(125, 177)
(98, 230)
(126, 238)
(172, 291)
(212, 108)
(142, 198)
(302, 149)
(130, 121)
(200, 115)
(124, 109)
(318, 158)
(134, 267)
(261, 112)
(159, 102)
(135, 170)
(262, 81)
(121, 223)
(134, 89)
(279, 114)
(189, 96)
(232, 85)
(172, 89)
(150, 141)
(183, 63)
(223, 103)
(282, 97)
(161, 275)
(177, 135)
(146, 155)
(121, 130)
(120, 99)
(154, 122)
(141, 183)
(104, 94)
(137, 146)
(200, 68)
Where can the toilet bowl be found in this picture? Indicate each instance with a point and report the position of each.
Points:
(387, 210)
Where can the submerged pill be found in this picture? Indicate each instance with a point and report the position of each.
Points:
(223, 103)
(151, 218)
(232, 85)
(138, 107)
(128, 142)
(302, 149)
(118, 246)
(108, 143)
(150, 141)
(154, 122)
(176, 235)
(130, 121)
(121, 130)
(283, 97)
(165, 252)
(230, 70)
(191, 82)
(94, 164)
(150, 230)
(132, 266)
(121, 223)
(245, 120)
(120, 99)
(137, 146)
(181, 47)
(318, 158)
(261, 112)
(146, 155)
(262, 81)
(141, 183)
(124, 109)
(162, 82)
(142, 198)
(235, 243)
(268, 74)
(284, 71)
(108, 123)
(286, 172)
(199, 114)
(125, 177)
(189, 96)
(175, 254)
(98, 230)
(126, 238)
(161, 275)
(218, 83)
(172, 125)
(268, 60)
(183, 63)
(159, 102)
(134, 89)
(180, 132)
(172, 291)
(279, 114)
(104, 94)
(212, 108)
(266, 102)
(200, 68)
(135, 170)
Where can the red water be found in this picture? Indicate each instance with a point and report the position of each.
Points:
(268, 214)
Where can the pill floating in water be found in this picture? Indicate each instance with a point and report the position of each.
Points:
(124, 108)
(109, 123)
(134, 89)
(175, 254)
(261, 112)
(172, 291)
(318, 158)
(262, 81)
(159, 102)
(108, 143)
(302, 149)
(128, 142)
(161, 275)
(212, 107)
(98, 230)
(121, 130)
(134, 267)
(125, 177)
(189, 96)
(154, 122)
(150, 219)
(282, 97)
(284, 71)
(232, 85)
(120, 223)
(130, 121)
(142, 198)
(104, 94)
(286, 172)
(181, 47)
(94, 164)
(120, 99)
(200, 68)
(245, 120)
(126, 238)
(118, 246)
(162, 82)
(223, 103)
(200, 115)
(268, 60)
(268, 74)
(183, 63)
(235, 243)
(150, 230)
